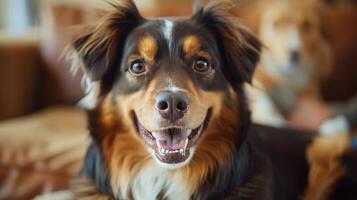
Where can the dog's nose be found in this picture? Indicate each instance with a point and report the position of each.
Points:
(172, 105)
(294, 56)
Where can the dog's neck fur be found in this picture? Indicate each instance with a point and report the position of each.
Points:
(235, 180)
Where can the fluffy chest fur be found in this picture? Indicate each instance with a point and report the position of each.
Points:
(153, 182)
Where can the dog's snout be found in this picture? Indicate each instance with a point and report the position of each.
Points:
(294, 56)
(172, 105)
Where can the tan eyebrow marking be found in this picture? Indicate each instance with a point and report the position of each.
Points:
(191, 46)
(147, 48)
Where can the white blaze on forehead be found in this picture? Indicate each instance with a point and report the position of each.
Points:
(167, 30)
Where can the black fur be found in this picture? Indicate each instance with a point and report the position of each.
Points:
(95, 169)
(104, 55)
(234, 42)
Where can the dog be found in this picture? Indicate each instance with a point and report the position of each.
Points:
(295, 60)
(168, 116)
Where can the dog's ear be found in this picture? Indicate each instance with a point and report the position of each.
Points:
(98, 47)
(240, 50)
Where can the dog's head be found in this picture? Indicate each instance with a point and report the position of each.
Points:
(291, 31)
(161, 84)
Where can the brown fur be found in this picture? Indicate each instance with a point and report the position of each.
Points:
(304, 16)
(285, 27)
(324, 156)
(191, 45)
(192, 48)
(124, 151)
(207, 158)
(148, 48)
(84, 189)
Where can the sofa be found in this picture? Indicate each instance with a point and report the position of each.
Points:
(43, 134)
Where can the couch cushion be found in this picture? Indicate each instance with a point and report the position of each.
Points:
(41, 152)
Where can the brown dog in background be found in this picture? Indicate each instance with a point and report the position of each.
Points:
(294, 62)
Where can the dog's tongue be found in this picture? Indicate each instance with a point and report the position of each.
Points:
(172, 139)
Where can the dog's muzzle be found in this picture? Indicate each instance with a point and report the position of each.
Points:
(172, 145)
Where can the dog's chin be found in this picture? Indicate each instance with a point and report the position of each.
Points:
(172, 147)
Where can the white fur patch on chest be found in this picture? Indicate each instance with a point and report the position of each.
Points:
(153, 180)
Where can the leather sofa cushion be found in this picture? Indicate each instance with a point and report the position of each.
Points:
(41, 152)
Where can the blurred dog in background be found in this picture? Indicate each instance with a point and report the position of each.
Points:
(295, 60)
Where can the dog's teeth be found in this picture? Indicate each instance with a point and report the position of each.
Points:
(166, 151)
(162, 151)
(185, 147)
(186, 143)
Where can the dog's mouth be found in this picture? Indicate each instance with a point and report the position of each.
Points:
(172, 145)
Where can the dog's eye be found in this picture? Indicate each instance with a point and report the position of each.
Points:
(201, 65)
(137, 67)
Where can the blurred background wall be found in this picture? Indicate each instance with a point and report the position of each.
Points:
(19, 16)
